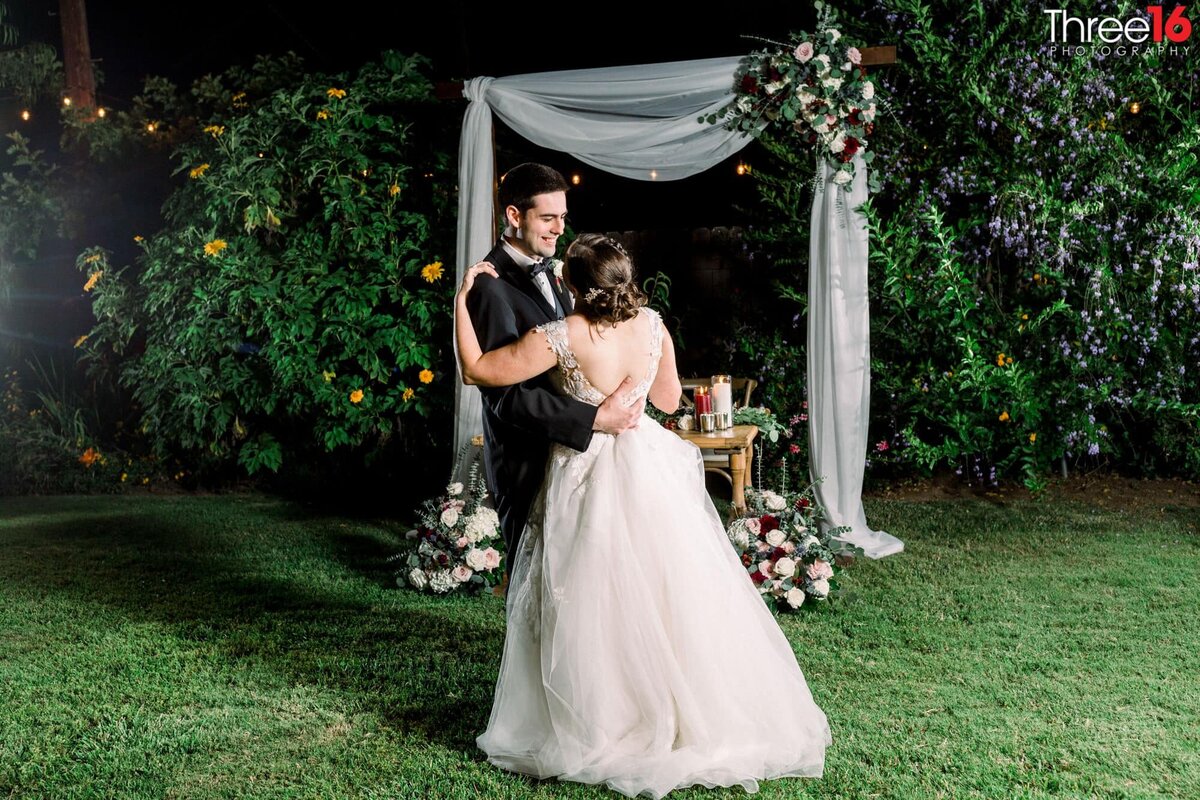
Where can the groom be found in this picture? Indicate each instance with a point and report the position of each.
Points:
(521, 421)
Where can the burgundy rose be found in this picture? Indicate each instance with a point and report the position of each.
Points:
(774, 75)
(757, 577)
(778, 553)
(749, 84)
(802, 502)
(768, 522)
(851, 147)
(854, 117)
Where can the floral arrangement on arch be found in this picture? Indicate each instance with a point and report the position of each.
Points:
(780, 542)
(816, 84)
(454, 548)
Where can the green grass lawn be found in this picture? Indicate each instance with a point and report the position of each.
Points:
(239, 646)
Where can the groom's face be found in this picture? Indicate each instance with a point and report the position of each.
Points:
(537, 230)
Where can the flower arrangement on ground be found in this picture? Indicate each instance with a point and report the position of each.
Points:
(815, 83)
(457, 543)
(780, 542)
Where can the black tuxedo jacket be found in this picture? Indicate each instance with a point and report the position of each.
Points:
(520, 421)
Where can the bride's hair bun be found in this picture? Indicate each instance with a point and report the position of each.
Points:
(602, 274)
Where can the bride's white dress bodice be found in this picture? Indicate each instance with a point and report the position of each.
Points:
(569, 378)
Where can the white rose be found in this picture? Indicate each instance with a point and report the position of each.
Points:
(744, 104)
(838, 144)
(785, 567)
(776, 538)
(832, 82)
(454, 489)
(841, 177)
(418, 579)
(450, 517)
(774, 87)
(847, 67)
(834, 34)
(824, 62)
(411, 534)
(475, 559)
(868, 91)
(557, 265)
(774, 502)
(810, 541)
(800, 528)
(819, 589)
(806, 97)
(869, 112)
(794, 597)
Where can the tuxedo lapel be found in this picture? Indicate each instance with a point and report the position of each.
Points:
(521, 280)
(563, 295)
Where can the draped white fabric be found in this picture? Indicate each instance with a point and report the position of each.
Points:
(839, 356)
(642, 122)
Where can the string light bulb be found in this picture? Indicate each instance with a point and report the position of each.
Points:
(101, 113)
(25, 115)
(1135, 107)
(576, 179)
(151, 127)
(66, 102)
(653, 174)
(743, 168)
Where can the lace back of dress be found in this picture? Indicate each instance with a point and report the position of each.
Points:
(570, 377)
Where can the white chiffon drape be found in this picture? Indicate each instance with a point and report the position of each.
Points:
(643, 122)
(839, 356)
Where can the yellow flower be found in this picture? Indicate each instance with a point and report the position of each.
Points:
(145, 481)
(323, 114)
(1000, 359)
(214, 247)
(215, 130)
(394, 189)
(272, 220)
(81, 340)
(1008, 360)
(91, 259)
(1037, 277)
(408, 395)
(426, 376)
(196, 172)
(338, 93)
(92, 279)
(1032, 438)
(139, 239)
(89, 457)
(356, 396)
(328, 376)
(1024, 316)
(1004, 416)
(239, 100)
(431, 272)
(124, 475)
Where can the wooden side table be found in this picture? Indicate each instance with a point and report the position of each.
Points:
(736, 442)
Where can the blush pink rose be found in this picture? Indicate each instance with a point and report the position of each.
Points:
(753, 526)
(788, 548)
(461, 574)
(820, 570)
(853, 55)
(804, 52)
(765, 567)
(462, 542)
(491, 558)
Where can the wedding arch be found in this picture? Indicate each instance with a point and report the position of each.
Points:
(643, 122)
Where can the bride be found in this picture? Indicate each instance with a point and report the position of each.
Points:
(638, 653)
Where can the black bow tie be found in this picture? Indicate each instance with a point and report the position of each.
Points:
(538, 267)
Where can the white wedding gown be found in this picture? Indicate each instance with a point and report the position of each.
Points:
(638, 652)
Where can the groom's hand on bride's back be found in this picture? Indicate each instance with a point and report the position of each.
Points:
(613, 416)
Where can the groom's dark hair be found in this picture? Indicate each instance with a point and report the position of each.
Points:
(526, 181)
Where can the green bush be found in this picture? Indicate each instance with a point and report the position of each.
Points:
(294, 298)
(1034, 287)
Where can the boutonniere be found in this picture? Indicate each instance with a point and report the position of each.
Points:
(557, 266)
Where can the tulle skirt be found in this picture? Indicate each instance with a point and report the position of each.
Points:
(638, 653)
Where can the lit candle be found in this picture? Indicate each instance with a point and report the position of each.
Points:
(703, 401)
(722, 400)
